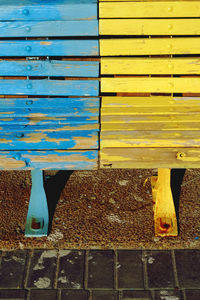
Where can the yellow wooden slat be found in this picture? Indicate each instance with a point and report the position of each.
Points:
(154, 110)
(153, 9)
(152, 101)
(146, 65)
(147, 138)
(150, 118)
(149, 26)
(149, 158)
(146, 46)
(118, 126)
(150, 85)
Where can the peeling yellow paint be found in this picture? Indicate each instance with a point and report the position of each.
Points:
(45, 43)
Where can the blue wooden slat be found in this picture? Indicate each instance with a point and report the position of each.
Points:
(42, 103)
(48, 28)
(54, 112)
(48, 120)
(50, 87)
(25, 140)
(47, 10)
(49, 160)
(50, 68)
(49, 48)
(50, 127)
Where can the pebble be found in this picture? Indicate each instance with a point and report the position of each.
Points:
(156, 239)
(112, 201)
(196, 238)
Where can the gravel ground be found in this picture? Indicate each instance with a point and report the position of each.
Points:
(96, 209)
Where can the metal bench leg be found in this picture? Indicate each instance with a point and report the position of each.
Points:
(165, 221)
(38, 216)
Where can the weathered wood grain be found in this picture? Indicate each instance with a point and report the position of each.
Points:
(148, 138)
(148, 158)
(45, 103)
(48, 160)
(45, 140)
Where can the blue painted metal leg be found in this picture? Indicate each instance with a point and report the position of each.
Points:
(38, 216)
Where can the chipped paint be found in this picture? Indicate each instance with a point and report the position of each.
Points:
(45, 43)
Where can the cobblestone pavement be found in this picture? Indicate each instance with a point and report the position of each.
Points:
(100, 275)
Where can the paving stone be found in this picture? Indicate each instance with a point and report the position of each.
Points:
(71, 269)
(12, 269)
(188, 268)
(42, 269)
(101, 269)
(102, 295)
(192, 294)
(168, 295)
(75, 295)
(136, 295)
(43, 295)
(130, 269)
(160, 269)
(13, 294)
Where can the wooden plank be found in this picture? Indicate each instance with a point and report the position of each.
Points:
(49, 160)
(149, 158)
(150, 85)
(49, 10)
(147, 138)
(49, 87)
(45, 103)
(49, 48)
(43, 112)
(48, 28)
(174, 109)
(152, 101)
(176, 125)
(151, 118)
(45, 120)
(50, 127)
(146, 46)
(149, 26)
(145, 65)
(151, 9)
(29, 140)
(49, 68)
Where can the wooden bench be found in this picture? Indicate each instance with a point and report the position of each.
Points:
(150, 115)
(150, 92)
(49, 109)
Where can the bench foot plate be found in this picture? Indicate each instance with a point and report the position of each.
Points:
(38, 216)
(165, 221)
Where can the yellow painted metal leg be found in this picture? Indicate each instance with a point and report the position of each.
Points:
(165, 221)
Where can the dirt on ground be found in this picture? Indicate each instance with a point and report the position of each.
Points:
(105, 209)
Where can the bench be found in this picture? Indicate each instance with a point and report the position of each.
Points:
(149, 87)
(150, 114)
(49, 105)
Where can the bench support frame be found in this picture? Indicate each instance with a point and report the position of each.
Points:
(38, 216)
(165, 221)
